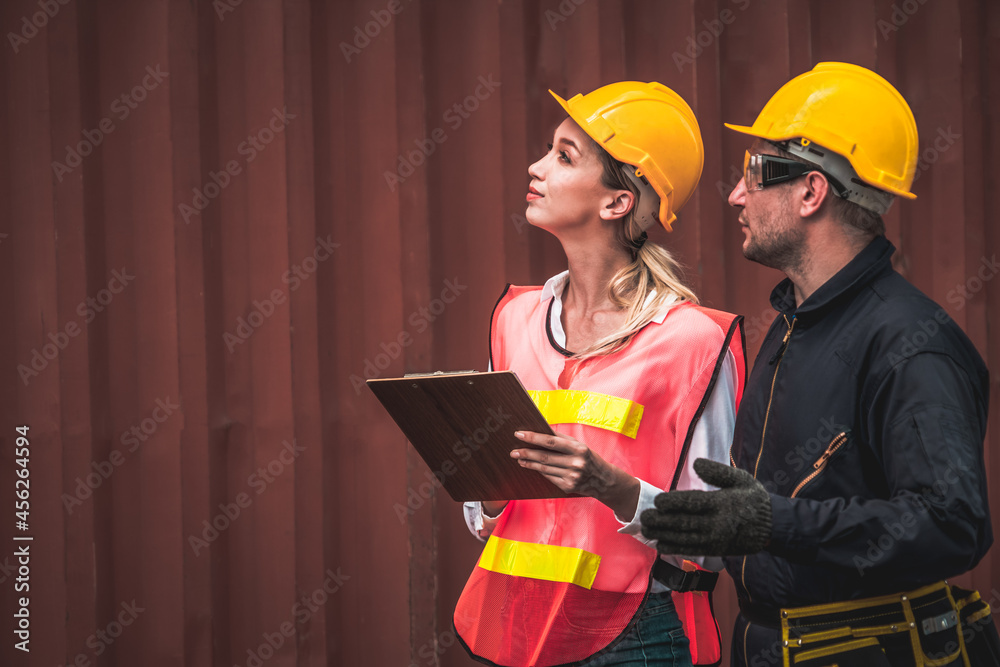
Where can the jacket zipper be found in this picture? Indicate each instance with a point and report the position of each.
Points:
(834, 445)
(775, 359)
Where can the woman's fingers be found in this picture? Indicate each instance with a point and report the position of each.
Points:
(566, 479)
(560, 450)
(535, 456)
(558, 468)
(558, 443)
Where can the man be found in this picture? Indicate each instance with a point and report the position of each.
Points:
(858, 482)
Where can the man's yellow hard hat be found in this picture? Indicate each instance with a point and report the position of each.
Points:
(650, 127)
(851, 111)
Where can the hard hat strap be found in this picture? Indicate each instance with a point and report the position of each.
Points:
(835, 165)
(648, 206)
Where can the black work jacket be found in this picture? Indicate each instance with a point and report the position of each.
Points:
(864, 417)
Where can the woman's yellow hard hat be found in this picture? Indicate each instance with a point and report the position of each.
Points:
(650, 127)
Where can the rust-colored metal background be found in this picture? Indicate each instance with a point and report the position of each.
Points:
(198, 275)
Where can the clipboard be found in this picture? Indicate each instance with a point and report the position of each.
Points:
(462, 425)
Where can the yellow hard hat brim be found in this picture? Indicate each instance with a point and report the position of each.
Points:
(560, 100)
(748, 130)
(743, 129)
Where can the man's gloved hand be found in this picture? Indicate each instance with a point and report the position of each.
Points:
(733, 521)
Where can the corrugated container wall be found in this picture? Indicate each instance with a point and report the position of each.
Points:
(220, 216)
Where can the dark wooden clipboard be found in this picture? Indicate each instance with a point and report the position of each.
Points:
(462, 425)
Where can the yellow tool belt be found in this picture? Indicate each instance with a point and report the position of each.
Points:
(932, 624)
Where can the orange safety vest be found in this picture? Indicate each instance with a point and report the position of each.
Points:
(557, 583)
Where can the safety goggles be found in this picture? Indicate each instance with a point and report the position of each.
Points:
(761, 170)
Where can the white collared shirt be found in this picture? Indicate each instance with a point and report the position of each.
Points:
(711, 439)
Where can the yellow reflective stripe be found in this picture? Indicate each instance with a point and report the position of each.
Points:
(569, 406)
(540, 561)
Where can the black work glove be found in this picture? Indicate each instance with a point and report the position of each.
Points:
(733, 521)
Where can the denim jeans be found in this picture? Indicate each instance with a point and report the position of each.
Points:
(657, 639)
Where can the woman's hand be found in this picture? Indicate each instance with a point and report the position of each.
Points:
(575, 468)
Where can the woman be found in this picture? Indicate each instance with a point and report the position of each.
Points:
(640, 380)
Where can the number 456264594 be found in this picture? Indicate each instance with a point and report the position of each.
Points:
(22, 454)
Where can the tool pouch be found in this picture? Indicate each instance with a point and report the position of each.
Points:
(857, 653)
(935, 626)
(978, 630)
